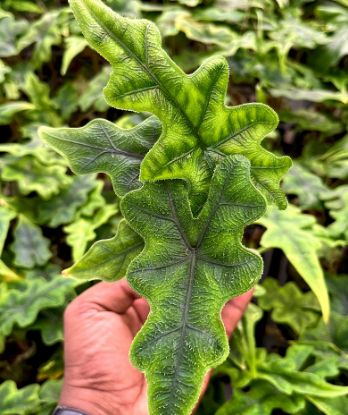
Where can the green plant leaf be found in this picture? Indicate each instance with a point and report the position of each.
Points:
(62, 208)
(21, 306)
(306, 185)
(93, 92)
(336, 406)
(18, 401)
(10, 30)
(6, 215)
(337, 202)
(289, 232)
(188, 269)
(190, 107)
(101, 146)
(33, 176)
(108, 260)
(289, 305)
(262, 399)
(50, 324)
(74, 46)
(82, 231)
(30, 247)
(10, 109)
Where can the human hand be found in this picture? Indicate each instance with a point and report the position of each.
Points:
(99, 328)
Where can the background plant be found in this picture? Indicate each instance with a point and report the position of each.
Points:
(302, 76)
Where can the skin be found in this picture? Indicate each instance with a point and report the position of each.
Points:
(99, 327)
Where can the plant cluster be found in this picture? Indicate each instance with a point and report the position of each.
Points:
(290, 352)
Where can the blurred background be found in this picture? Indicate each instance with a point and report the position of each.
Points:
(290, 54)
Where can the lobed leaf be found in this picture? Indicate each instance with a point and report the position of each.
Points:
(101, 146)
(290, 305)
(18, 401)
(108, 260)
(198, 128)
(30, 247)
(289, 232)
(189, 268)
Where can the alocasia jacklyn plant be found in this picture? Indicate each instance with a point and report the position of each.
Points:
(190, 179)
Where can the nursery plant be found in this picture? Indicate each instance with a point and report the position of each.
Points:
(190, 181)
(288, 355)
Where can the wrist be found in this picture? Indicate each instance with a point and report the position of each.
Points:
(88, 401)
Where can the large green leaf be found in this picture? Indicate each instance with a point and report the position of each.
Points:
(108, 259)
(198, 128)
(10, 30)
(290, 231)
(101, 146)
(188, 269)
(18, 401)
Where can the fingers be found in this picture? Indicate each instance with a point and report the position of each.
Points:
(111, 296)
(234, 310)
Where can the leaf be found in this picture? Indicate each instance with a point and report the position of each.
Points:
(44, 34)
(336, 406)
(50, 324)
(18, 401)
(30, 247)
(62, 208)
(190, 107)
(6, 274)
(74, 46)
(108, 260)
(21, 307)
(93, 93)
(188, 269)
(6, 215)
(306, 185)
(10, 109)
(33, 176)
(101, 146)
(289, 232)
(262, 399)
(289, 305)
(337, 202)
(82, 231)
(10, 30)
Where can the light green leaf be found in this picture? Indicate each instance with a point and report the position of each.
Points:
(33, 176)
(74, 45)
(306, 185)
(336, 406)
(289, 305)
(290, 231)
(191, 107)
(10, 30)
(108, 260)
(188, 269)
(18, 401)
(30, 247)
(101, 146)
(67, 100)
(6, 274)
(262, 399)
(10, 109)
(314, 95)
(82, 231)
